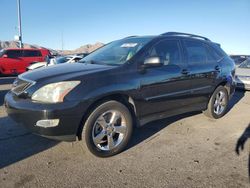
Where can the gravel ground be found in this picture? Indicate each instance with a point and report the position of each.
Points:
(190, 150)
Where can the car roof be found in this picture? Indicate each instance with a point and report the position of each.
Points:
(25, 49)
(175, 35)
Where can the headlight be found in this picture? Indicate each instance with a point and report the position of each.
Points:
(55, 92)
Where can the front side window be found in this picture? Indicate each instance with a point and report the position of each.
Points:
(117, 52)
(14, 53)
(196, 52)
(168, 51)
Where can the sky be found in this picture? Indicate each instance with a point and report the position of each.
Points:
(79, 22)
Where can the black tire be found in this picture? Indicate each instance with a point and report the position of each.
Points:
(210, 112)
(90, 125)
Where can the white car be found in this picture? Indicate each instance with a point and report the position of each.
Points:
(55, 61)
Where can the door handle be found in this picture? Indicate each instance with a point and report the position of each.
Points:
(185, 72)
(217, 68)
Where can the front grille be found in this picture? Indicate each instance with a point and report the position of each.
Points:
(20, 85)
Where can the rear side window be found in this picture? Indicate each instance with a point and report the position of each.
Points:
(14, 53)
(31, 53)
(219, 51)
(213, 55)
(196, 52)
(168, 51)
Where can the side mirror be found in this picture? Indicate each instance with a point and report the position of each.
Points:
(152, 62)
(5, 56)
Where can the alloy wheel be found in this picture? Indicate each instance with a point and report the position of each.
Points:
(109, 130)
(220, 103)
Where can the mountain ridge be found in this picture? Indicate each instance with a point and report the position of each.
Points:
(82, 49)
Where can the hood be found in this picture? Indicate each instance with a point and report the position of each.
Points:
(242, 72)
(66, 71)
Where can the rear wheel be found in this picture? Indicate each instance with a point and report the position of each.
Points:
(108, 129)
(218, 103)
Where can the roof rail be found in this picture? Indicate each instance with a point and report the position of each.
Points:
(130, 36)
(185, 34)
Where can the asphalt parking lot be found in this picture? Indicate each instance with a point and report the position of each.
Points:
(190, 150)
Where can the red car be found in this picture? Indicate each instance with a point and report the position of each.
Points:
(15, 61)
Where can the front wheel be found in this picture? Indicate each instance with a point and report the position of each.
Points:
(218, 103)
(108, 129)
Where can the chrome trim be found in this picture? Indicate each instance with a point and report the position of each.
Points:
(27, 80)
(183, 92)
(31, 83)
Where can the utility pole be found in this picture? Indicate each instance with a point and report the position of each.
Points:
(19, 24)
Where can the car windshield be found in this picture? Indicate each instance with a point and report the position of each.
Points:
(61, 60)
(245, 64)
(2, 52)
(117, 52)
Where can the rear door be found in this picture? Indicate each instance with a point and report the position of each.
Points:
(165, 88)
(203, 69)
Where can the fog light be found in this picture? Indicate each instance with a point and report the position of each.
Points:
(47, 123)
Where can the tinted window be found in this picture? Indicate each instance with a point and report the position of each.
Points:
(219, 51)
(196, 52)
(31, 53)
(212, 55)
(14, 53)
(168, 51)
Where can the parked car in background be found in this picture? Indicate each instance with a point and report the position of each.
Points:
(126, 83)
(81, 54)
(243, 75)
(55, 61)
(15, 61)
(238, 59)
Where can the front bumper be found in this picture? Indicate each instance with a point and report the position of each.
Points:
(27, 113)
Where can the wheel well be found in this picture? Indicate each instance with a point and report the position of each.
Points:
(224, 84)
(124, 99)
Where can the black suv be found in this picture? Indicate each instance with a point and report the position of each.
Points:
(126, 83)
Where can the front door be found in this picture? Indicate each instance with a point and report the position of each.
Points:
(165, 88)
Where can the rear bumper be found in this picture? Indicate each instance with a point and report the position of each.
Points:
(28, 113)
